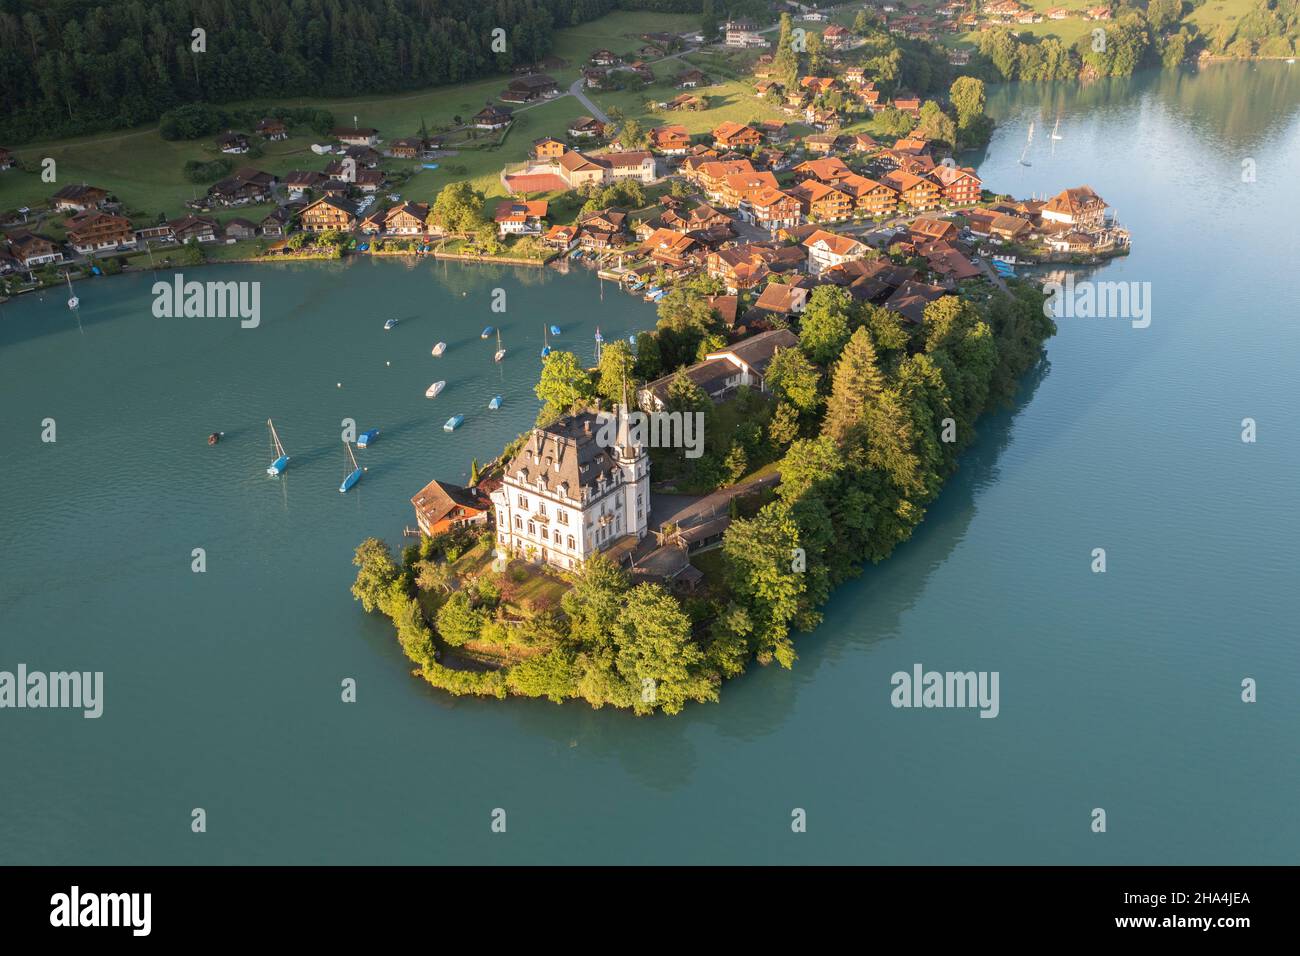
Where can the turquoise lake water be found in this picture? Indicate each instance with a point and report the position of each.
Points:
(1118, 690)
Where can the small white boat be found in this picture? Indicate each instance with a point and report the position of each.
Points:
(501, 353)
(390, 325)
(73, 301)
(433, 390)
(439, 349)
(495, 403)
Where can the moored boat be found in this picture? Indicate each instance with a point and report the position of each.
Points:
(439, 349)
(501, 353)
(487, 332)
(433, 390)
(366, 438)
(390, 325)
(453, 423)
(281, 459)
(495, 403)
(353, 474)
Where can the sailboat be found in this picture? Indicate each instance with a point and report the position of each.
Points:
(1029, 142)
(546, 343)
(501, 353)
(1055, 134)
(354, 474)
(281, 459)
(73, 301)
(439, 349)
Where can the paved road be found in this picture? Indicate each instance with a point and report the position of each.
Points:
(576, 90)
(689, 510)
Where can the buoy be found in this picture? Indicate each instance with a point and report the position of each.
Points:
(338, 385)
(388, 363)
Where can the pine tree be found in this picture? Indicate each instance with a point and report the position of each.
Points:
(856, 384)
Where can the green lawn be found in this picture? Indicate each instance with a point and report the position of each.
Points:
(618, 33)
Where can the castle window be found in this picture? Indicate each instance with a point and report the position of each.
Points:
(570, 542)
(532, 528)
(519, 522)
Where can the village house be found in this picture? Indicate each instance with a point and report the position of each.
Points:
(686, 101)
(822, 202)
(159, 232)
(1069, 240)
(836, 37)
(492, 117)
(925, 229)
(31, 250)
(690, 80)
(908, 103)
(602, 230)
(586, 127)
(670, 140)
(827, 169)
(1079, 207)
(910, 299)
(771, 209)
(565, 495)
(722, 372)
(916, 192)
(356, 135)
(604, 58)
(406, 219)
(742, 34)
(548, 147)
(674, 250)
(243, 187)
(578, 169)
(79, 198)
(783, 300)
(711, 176)
(195, 229)
(408, 147)
(732, 135)
(516, 218)
(816, 85)
(232, 142)
(855, 75)
(738, 187)
(1057, 13)
(300, 181)
(371, 180)
(827, 249)
(272, 129)
(328, 213)
(94, 231)
(441, 506)
(870, 198)
(240, 229)
(278, 223)
(822, 143)
(595, 79)
(560, 236)
(364, 156)
(958, 184)
(527, 89)
(1098, 13)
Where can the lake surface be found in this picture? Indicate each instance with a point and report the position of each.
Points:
(1118, 690)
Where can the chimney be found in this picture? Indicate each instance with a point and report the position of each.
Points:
(586, 426)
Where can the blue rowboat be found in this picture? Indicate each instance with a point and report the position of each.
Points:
(278, 466)
(367, 437)
(546, 350)
(555, 330)
(453, 423)
(352, 478)
(487, 332)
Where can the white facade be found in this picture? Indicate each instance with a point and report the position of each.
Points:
(560, 522)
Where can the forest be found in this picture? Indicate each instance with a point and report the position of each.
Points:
(69, 67)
